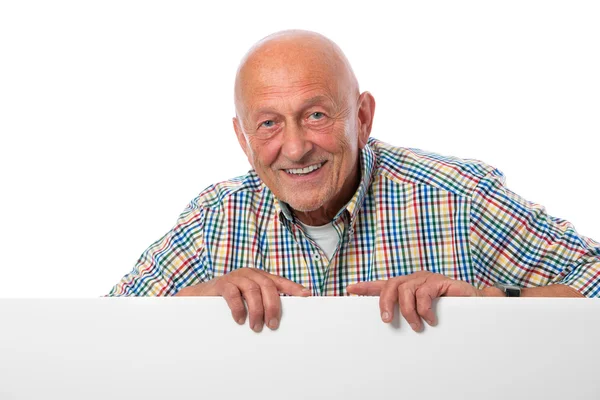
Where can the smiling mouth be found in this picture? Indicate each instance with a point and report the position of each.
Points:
(304, 171)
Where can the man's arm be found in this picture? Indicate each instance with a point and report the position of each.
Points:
(512, 241)
(543, 291)
(171, 263)
(177, 265)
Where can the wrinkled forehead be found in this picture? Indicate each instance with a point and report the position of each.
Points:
(288, 79)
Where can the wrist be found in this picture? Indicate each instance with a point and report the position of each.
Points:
(492, 291)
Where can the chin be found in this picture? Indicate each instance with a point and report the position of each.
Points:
(303, 208)
(304, 205)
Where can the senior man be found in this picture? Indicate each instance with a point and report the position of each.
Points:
(326, 210)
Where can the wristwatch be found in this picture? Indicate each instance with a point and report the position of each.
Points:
(509, 290)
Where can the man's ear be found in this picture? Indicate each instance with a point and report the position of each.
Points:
(366, 111)
(239, 133)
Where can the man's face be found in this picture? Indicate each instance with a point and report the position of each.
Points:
(298, 128)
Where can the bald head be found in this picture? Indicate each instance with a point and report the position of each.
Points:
(288, 58)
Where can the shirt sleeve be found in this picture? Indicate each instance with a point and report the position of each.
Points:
(514, 241)
(175, 261)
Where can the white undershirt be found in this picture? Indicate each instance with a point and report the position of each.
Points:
(326, 237)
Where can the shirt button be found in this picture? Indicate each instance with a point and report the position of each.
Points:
(316, 257)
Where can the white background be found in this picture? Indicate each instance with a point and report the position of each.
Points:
(115, 114)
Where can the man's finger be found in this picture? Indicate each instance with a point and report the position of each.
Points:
(233, 297)
(424, 297)
(373, 288)
(287, 286)
(388, 299)
(408, 308)
(253, 295)
(271, 301)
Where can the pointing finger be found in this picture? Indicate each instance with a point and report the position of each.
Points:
(373, 288)
(286, 286)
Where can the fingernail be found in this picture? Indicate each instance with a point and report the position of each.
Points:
(430, 322)
(273, 323)
(415, 327)
(385, 316)
(240, 321)
(257, 327)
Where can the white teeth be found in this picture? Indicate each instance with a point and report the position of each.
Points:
(303, 171)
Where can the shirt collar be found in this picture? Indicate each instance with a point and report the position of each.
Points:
(367, 168)
(283, 209)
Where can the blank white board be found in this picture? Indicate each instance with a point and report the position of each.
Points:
(325, 348)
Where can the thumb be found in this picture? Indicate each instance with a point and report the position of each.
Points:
(373, 288)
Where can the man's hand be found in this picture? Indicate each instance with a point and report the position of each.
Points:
(260, 290)
(415, 294)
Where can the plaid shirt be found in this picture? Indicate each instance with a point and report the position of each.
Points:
(413, 210)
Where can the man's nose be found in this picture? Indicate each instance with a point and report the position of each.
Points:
(296, 143)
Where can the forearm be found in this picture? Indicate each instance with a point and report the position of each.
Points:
(542, 291)
(199, 289)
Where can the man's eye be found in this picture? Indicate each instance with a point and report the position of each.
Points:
(316, 115)
(268, 124)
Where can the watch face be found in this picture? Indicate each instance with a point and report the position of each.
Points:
(509, 290)
(513, 291)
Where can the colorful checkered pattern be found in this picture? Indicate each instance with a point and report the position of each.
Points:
(414, 210)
